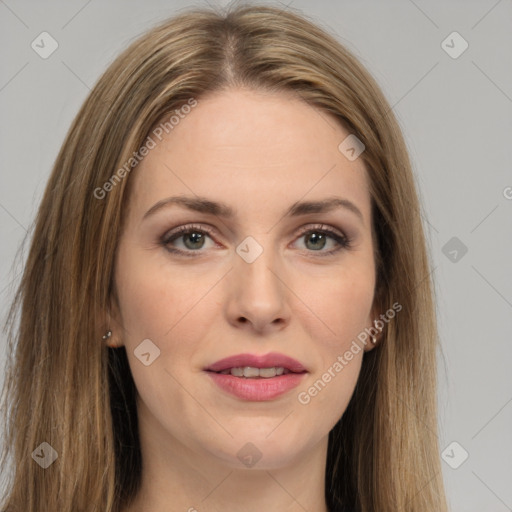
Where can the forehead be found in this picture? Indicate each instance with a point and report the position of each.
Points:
(252, 149)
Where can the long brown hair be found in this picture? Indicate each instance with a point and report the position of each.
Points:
(64, 386)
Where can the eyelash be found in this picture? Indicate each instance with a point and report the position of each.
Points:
(342, 240)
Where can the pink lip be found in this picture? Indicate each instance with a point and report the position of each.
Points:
(265, 361)
(259, 389)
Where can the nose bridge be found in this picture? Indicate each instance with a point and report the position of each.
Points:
(256, 265)
(258, 293)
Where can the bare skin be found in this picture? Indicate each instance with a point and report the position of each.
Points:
(306, 296)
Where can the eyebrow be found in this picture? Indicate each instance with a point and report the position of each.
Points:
(203, 205)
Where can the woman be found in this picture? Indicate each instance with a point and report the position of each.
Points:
(227, 302)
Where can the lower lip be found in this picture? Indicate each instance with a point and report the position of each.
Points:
(257, 390)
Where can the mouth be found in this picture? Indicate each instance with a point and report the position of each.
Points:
(257, 378)
(252, 366)
(253, 372)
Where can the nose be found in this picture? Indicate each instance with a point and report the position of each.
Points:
(257, 295)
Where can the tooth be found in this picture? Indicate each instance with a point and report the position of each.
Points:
(237, 372)
(250, 371)
(268, 372)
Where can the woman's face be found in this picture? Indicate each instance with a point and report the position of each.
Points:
(267, 263)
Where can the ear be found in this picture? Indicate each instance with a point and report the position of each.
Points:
(375, 327)
(113, 330)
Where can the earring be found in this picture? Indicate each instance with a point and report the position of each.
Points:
(374, 339)
(107, 335)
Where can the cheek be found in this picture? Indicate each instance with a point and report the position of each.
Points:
(340, 306)
(169, 306)
(163, 306)
(155, 298)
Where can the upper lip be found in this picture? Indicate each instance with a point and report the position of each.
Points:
(273, 359)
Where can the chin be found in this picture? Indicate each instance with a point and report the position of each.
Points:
(255, 449)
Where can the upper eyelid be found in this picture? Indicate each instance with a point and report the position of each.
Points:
(187, 228)
(321, 227)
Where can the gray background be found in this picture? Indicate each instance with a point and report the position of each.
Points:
(456, 116)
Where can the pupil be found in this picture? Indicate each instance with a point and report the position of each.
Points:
(317, 237)
(195, 238)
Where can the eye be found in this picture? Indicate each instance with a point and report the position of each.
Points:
(192, 240)
(317, 238)
(188, 239)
